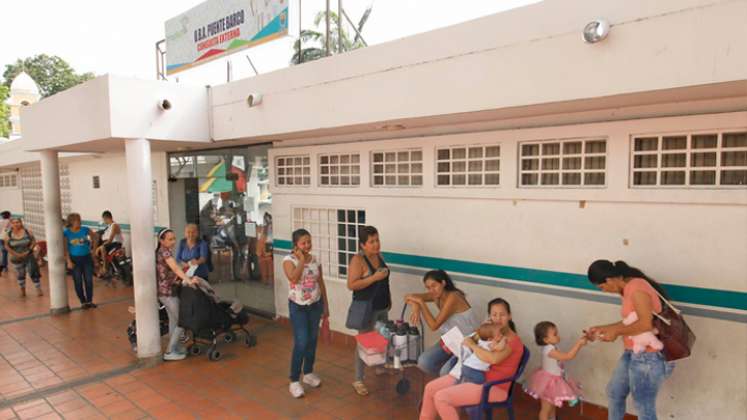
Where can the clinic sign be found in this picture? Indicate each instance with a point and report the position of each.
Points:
(217, 28)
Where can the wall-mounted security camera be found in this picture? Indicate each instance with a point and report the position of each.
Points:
(164, 104)
(253, 99)
(596, 31)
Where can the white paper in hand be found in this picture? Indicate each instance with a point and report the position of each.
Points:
(191, 271)
(453, 340)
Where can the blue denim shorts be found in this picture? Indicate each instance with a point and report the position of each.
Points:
(472, 376)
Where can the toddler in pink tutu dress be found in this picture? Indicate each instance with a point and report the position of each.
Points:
(549, 384)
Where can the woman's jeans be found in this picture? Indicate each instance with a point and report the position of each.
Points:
(640, 375)
(360, 365)
(305, 321)
(171, 303)
(435, 361)
(83, 277)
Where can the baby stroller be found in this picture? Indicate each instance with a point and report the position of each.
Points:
(163, 323)
(210, 320)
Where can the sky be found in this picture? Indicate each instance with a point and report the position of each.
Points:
(118, 37)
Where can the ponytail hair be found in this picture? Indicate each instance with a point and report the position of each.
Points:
(501, 301)
(442, 277)
(161, 234)
(600, 270)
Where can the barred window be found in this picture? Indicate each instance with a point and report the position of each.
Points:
(397, 168)
(563, 163)
(689, 160)
(8, 180)
(334, 235)
(339, 170)
(293, 170)
(468, 166)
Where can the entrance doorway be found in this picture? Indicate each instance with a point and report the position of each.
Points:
(225, 193)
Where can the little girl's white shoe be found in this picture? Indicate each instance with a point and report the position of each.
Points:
(312, 380)
(296, 389)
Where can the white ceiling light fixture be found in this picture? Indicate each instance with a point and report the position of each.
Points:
(596, 31)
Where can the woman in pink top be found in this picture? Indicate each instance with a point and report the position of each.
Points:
(443, 396)
(640, 374)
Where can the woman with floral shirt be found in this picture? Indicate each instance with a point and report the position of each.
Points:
(307, 304)
(169, 276)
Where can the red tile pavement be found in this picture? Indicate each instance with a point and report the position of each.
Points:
(249, 383)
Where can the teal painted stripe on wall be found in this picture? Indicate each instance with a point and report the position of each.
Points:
(124, 226)
(97, 225)
(282, 244)
(685, 294)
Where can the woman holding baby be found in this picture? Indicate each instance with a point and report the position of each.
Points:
(495, 354)
(640, 371)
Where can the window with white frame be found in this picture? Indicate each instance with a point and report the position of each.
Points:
(690, 160)
(397, 168)
(8, 180)
(468, 166)
(334, 235)
(563, 163)
(340, 169)
(293, 170)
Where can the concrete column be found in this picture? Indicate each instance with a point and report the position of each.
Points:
(140, 179)
(50, 170)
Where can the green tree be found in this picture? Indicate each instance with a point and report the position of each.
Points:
(315, 41)
(4, 112)
(51, 73)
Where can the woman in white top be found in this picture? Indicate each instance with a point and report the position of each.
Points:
(110, 239)
(453, 311)
(307, 304)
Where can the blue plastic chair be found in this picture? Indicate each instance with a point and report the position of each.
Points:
(486, 407)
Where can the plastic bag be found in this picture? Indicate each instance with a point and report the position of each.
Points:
(325, 332)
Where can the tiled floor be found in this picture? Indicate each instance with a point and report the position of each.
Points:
(80, 365)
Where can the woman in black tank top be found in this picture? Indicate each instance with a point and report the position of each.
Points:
(368, 278)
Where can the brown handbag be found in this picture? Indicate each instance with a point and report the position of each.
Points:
(673, 331)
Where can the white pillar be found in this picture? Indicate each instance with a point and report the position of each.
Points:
(50, 170)
(139, 179)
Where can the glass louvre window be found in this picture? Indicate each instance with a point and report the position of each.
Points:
(563, 163)
(690, 160)
(463, 166)
(293, 170)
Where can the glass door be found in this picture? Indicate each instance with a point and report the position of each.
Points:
(225, 193)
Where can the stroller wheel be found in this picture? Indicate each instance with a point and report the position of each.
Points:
(214, 355)
(229, 337)
(403, 386)
(250, 341)
(195, 350)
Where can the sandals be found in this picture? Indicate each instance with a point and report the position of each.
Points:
(360, 388)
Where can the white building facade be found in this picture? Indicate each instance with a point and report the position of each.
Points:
(504, 150)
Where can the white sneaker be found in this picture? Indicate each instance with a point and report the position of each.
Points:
(296, 389)
(171, 356)
(312, 380)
